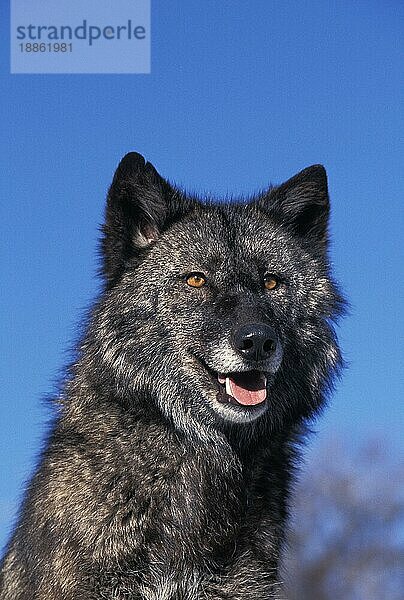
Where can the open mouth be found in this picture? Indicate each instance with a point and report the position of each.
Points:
(247, 388)
(239, 388)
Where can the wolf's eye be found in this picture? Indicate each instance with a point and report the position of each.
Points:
(196, 280)
(271, 281)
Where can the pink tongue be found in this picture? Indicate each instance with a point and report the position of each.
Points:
(248, 392)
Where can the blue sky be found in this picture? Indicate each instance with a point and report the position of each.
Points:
(240, 94)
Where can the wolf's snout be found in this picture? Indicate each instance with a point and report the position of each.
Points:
(255, 341)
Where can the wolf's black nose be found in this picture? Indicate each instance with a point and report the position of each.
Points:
(255, 341)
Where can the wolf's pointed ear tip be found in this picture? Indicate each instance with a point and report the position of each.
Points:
(316, 172)
(131, 157)
(132, 162)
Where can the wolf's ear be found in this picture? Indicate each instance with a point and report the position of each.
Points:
(138, 207)
(302, 204)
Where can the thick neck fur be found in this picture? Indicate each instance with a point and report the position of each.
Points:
(169, 484)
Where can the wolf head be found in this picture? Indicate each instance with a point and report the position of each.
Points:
(217, 313)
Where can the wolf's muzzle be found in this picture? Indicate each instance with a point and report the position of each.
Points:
(255, 341)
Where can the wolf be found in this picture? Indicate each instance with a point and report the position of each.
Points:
(168, 469)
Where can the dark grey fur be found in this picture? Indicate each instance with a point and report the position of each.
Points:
(149, 488)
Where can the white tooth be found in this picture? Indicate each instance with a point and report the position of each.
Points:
(228, 389)
(221, 379)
